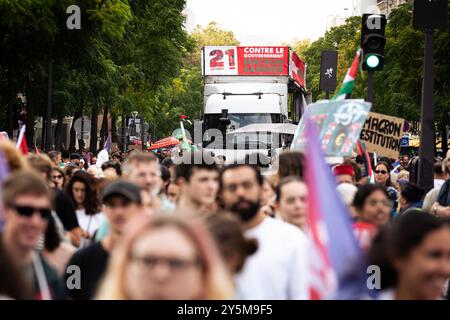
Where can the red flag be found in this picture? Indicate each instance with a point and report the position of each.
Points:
(297, 69)
(182, 116)
(22, 142)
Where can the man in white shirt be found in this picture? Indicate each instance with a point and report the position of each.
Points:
(440, 174)
(279, 269)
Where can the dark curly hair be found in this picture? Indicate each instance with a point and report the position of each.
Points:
(91, 202)
(230, 238)
(291, 163)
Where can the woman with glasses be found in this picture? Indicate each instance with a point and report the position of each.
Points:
(383, 177)
(166, 258)
(58, 178)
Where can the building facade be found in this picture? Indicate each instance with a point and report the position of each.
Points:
(386, 6)
(359, 7)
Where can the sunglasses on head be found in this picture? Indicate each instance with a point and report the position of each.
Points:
(27, 211)
(380, 171)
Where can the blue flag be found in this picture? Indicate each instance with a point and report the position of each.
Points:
(107, 146)
(4, 172)
(338, 264)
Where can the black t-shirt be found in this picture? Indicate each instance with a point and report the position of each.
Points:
(65, 209)
(92, 262)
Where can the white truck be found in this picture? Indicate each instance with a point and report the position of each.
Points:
(249, 93)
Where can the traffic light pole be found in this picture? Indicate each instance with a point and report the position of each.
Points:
(370, 86)
(426, 151)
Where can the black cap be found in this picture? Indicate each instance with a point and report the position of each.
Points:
(122, 188)
(75, 156)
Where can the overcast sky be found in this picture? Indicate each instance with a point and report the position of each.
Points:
(270, 22)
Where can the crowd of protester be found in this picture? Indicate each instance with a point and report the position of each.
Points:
(142, 226)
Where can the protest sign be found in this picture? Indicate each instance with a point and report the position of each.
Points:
(339, 124)
(383, 134)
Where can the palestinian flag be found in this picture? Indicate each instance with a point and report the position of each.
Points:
(349, 80)
(184, 144)
(362, 151)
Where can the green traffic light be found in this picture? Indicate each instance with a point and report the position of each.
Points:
(372, 61)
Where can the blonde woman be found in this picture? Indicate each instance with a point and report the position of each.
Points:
(166, 258)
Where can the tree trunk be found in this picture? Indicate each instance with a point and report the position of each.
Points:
(104, 130)
(48, 113)
(94, 128)
(43, 133)
(58, 132)
(31, 114)
(73, 134)
(444, 137)
(113, 129)
(10, 109)
(123, 139)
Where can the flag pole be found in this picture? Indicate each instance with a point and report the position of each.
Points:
(20, 137)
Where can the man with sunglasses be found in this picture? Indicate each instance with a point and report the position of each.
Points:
(27, 210)
(121, 201)
(66, 219)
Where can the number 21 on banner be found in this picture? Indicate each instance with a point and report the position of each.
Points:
(217, 59)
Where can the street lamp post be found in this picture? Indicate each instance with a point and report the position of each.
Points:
(135, 114)
(427, 138)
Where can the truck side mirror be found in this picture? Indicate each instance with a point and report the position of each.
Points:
(224, 117)
(225, 121)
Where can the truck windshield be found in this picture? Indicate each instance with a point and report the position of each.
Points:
(243, 140)
(239, 120)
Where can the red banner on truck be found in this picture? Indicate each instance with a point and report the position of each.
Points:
(246, 61)
(253, 61)
(263, 61)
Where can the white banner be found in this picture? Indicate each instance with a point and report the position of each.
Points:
(220, 60)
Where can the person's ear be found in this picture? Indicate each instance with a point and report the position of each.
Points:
(181, 183)
(6, 213)
(403, 201)
(276, 205)
(398, 263)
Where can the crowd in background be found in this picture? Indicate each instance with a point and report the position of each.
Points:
(145, 226)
